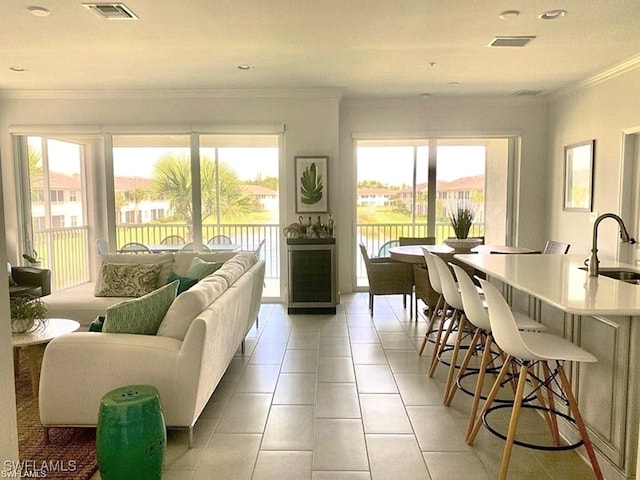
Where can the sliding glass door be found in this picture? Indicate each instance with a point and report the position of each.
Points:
(409, 187)
(55, 202)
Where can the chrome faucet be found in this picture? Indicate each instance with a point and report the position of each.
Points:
(624, 237)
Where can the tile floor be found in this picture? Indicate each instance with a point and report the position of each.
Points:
(344, 397)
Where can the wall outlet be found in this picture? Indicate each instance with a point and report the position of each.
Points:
(593, 216)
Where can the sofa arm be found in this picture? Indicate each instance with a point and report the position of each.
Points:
(79, 368)
(39, 277)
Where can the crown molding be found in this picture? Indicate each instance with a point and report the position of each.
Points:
(335, 93)
(614, 71)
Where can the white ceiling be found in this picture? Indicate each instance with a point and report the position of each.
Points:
(363, 47)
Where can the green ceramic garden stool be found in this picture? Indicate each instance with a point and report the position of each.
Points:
(131, 435)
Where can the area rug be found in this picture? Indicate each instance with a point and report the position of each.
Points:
(70, 453)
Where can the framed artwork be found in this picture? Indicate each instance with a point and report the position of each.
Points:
(312, 189)
(578, 176)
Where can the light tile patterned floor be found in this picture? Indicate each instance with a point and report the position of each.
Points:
(344, 397)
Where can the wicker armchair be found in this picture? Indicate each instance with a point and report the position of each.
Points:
(388, 277)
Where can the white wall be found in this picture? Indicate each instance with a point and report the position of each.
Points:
(446, 117)
(599, 111)
(8, 426)
(310, 119)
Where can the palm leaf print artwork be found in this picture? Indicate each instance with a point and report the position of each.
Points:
(311, 185)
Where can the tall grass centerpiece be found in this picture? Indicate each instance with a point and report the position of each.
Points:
(461, 218)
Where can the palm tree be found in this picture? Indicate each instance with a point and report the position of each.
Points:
(171, 180)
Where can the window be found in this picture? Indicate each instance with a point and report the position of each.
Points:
(53, 169)
(408, 187)
(57, 196)
(237, 195)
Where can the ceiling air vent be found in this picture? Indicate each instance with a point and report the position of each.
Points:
(527, 93)
(518, 41)
(111, 11)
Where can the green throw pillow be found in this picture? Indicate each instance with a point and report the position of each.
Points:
(185, 282)
(200, 269)
(141, 315)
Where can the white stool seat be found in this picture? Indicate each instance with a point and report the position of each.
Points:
(524, 322)
(545, 346)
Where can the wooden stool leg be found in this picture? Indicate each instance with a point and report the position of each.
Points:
(454, 355)
(553, 418)
(573, 405)
(463, 366)
(490, 398)
(441, 342)
(432, 322)
(513, 423)
(484, 364)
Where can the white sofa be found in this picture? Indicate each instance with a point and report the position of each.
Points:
(213, 317)
(80, 303)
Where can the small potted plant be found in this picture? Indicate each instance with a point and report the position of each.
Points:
(461, 217)
(33, 258)
(27, 314)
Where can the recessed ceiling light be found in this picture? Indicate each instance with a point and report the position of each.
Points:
(509, 14)
(454, 84)
(38, 11)
(244, 66)
(552, 14)
(18, 68)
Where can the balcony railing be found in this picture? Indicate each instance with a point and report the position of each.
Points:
(375, 235)
(65, 250)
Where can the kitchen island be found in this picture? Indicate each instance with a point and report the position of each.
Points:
(600, 314)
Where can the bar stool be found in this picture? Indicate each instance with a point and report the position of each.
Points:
(482, 340)
(456, 325)
(434, 280)
(526, 349)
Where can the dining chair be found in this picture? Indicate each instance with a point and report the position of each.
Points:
(218, 240)
(173, 240)
(383, 251)
(553, 247)
(189, 247)
(388, 277)
(102, 246)
(536, 355)
(135, 247)
(416, 241)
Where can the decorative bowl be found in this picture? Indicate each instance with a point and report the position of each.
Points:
(462, 244)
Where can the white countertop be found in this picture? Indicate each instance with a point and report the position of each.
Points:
(558, 281)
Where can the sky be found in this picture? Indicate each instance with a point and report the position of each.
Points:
(392, 165)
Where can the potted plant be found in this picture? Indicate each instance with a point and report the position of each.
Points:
(27, 314)
(33, 258)
(461, 217)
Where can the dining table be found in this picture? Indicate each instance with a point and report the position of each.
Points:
(414, 253)
(218, 247)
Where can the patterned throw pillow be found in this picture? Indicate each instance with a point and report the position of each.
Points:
(128, 279)
(200, 269)
(141, 315)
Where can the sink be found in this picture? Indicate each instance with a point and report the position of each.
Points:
(622, 274)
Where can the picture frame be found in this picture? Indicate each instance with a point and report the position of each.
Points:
(312, 186)
(578, 176)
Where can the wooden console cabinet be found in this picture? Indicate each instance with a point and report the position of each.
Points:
(312, 275)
